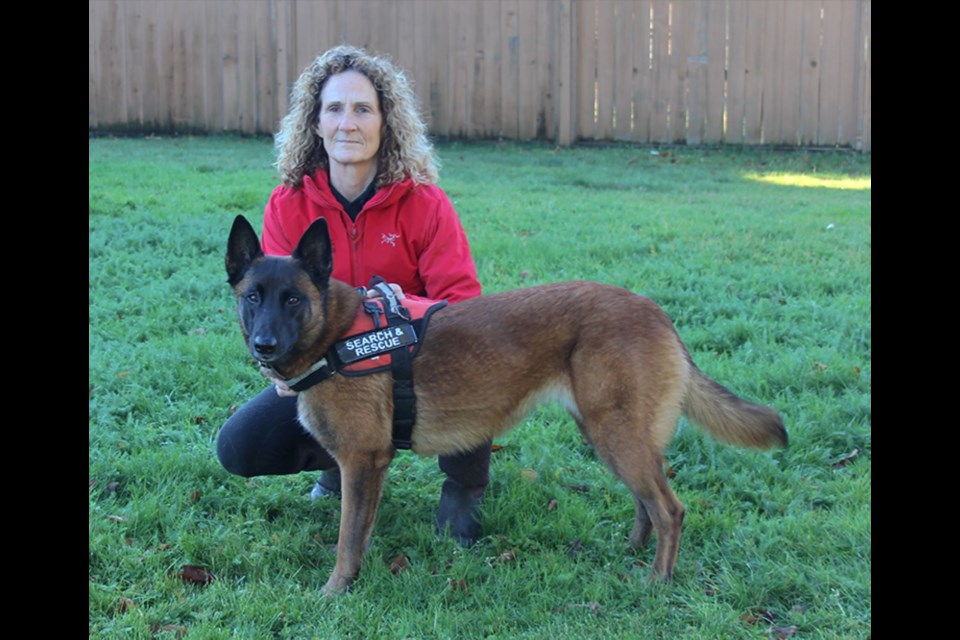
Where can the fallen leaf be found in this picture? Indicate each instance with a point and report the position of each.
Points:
(506, 556)
(496, 447)
(529, 475)
(767, 616)
(458, 585)
(197, 575)
(842, 462)
(784, 632)
(195, 496)
(400, 564)
(113, 486)
(668, 470)
(124, 605)
(553, 505)
(199, 420)
(116, 518)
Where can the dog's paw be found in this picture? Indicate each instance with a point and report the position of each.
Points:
(335, 586)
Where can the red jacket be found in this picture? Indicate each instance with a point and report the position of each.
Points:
(407, 233)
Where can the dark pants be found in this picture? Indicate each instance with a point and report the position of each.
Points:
(264, 438)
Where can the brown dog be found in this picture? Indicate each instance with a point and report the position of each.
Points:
(611, 357)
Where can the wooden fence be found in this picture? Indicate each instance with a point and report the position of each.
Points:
(776, 72)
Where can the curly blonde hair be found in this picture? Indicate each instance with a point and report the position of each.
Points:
(405, 152)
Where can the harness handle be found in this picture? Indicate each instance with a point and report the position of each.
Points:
(393, 305)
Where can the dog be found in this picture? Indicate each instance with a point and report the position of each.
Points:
(612, 358)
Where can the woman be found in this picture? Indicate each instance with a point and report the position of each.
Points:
(353, 150)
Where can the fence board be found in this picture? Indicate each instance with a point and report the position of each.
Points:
(492, 109)
(547, 23)
(863, 134)
(755, 72)
(676, 64)
(623, 30)
(643, 83)
(811, 66)
(772, 63)
(647, 71)
(850, 95)
(528, 84)
(461, 69)
(660, 38)
(107, 58)
(509, 68)
(567, 81)
(831, 59)
(691, 46)
(716, 72)
(606, 41)
(792, 68)
(586, 57)
(737, 72)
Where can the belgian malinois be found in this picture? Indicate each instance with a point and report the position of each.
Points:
(611, 357)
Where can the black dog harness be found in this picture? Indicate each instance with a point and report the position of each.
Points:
(392, 343)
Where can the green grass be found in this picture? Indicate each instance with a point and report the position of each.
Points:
(761, 258)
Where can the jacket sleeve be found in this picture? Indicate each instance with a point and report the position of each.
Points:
(446, 264)
(276, 239)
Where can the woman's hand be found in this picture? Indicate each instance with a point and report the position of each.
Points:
(397, 291)
(281, 387)
(283, 390)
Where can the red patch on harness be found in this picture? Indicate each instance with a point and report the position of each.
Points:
(379, 337)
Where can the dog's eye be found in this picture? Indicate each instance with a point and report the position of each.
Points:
(253, 298)
(292, 300)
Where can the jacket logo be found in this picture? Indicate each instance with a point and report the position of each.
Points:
(389, 238)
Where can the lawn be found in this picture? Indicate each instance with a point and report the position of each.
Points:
(761, 258)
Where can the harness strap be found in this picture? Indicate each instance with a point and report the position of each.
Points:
(401, 367)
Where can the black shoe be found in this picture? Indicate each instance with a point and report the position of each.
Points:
(460, 510)
(327, 485)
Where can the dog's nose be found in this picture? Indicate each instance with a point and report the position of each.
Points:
(264, 345)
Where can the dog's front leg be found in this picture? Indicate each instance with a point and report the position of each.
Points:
(362, 477)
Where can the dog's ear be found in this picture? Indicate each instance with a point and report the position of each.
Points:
(315, 252)
(243, 248)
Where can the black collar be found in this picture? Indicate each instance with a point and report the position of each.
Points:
(353, 208)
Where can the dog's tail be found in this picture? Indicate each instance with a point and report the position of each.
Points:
(729, 418)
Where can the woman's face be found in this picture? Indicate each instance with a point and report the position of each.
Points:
(350, 120)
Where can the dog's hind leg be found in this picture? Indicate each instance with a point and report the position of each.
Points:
(362, 478)
(657, 508)
(658, 505)
(638, 463)
(642, 526)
